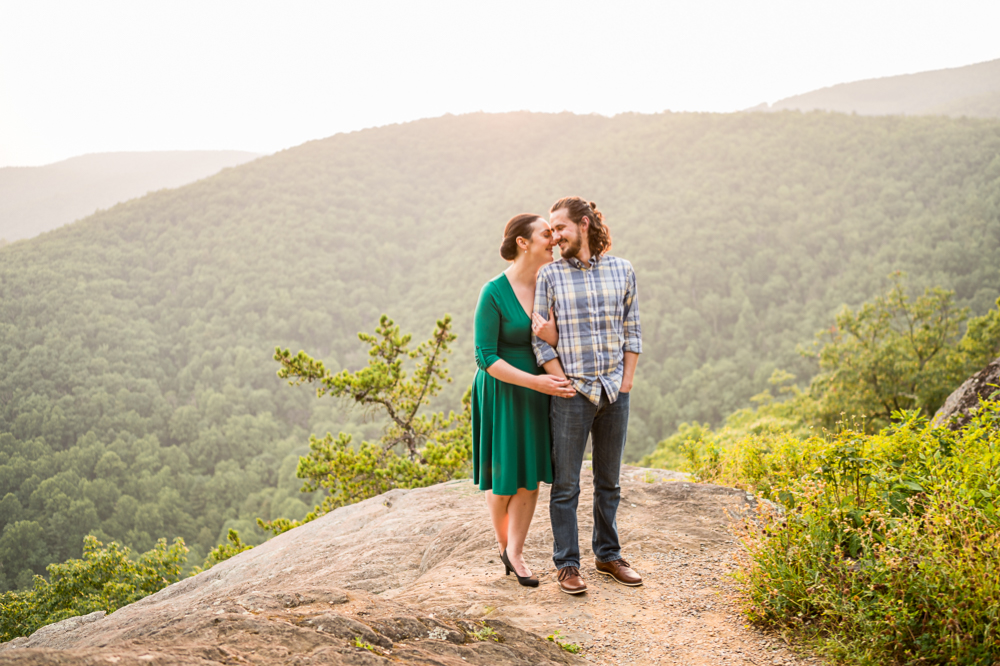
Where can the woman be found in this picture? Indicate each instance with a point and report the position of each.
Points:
(511, 443)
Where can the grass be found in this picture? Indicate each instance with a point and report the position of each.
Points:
(485, 633)
(556, 638)
(364, 645)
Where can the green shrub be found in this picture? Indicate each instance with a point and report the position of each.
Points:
(105, 579)
(884, 548)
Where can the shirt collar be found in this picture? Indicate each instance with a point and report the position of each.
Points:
(576, 263)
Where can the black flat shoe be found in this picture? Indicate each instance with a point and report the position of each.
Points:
(526, 582)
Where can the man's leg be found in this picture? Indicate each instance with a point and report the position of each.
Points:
(608, 435)
(570, 419)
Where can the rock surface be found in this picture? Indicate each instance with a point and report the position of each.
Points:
(413, 577)
(956, 410)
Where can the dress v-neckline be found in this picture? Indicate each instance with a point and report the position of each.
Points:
(514, 294)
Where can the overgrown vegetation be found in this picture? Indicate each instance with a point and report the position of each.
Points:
(880, 543)
(886, 550)
(107, 578)
(137, 395)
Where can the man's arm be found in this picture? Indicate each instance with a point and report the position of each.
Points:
(633, 333)
(630, 325)
(544, 301)
(628, 374)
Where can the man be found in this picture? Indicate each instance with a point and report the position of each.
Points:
(593, 297)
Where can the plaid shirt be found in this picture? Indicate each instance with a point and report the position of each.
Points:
(597, 312)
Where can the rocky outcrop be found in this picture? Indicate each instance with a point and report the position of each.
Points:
(412, 577)
(957, 409)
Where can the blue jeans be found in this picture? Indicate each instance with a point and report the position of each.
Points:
(572, 420)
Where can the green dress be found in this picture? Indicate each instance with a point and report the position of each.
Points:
(511, 440)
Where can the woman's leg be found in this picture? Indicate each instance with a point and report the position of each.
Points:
(520, 511)
(497, 506)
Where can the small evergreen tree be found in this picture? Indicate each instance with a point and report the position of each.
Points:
(416, 450)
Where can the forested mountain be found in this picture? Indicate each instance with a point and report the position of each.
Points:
(37, 199)
(138, 397)
(973, 90)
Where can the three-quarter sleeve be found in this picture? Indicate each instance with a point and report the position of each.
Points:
(486, 328)
(544, 299)
(630, 326)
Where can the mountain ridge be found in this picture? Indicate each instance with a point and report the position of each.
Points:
(969, 90)
(34, 200)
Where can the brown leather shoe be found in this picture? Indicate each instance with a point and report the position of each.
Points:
(620, 571)
(570, 581)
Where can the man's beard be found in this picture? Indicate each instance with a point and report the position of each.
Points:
(572, 248)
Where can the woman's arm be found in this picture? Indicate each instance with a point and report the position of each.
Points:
(545, 329)
(505, 372)
(487, 332)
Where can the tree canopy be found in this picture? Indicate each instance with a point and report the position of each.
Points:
(138, 398)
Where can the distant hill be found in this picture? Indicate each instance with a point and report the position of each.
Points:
(973, 90)
(37, 199)
(138, 395)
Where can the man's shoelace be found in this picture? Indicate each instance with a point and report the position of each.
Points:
(566, 572)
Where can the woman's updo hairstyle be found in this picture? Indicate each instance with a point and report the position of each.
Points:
(519, 226)
(598, 235)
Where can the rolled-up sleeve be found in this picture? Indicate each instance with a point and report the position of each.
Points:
(544, 299)
(487, 328)
(631, 327)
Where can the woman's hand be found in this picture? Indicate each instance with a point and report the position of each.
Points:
(545, 329)
(557, 386)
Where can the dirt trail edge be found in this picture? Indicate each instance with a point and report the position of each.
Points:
(412, 576)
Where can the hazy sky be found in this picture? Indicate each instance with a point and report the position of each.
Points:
(79, 77)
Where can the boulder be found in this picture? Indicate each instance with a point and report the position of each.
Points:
(957, 409)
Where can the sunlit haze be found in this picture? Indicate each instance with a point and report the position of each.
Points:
(113, 76)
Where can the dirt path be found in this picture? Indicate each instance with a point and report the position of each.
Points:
(676, 534)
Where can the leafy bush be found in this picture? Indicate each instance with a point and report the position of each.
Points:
(415, 450)
(883, 547)
(105, 579)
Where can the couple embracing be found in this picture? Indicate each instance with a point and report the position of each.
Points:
(557, 344)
